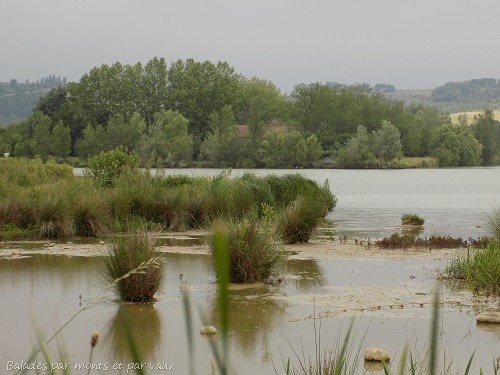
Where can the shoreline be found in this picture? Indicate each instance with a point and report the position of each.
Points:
(315, 249)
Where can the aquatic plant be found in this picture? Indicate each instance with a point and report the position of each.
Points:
(133, 266)
(479, 268)
(412, 219)
(297, 221)
(253, 252)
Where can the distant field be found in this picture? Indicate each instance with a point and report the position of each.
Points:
(470, 116)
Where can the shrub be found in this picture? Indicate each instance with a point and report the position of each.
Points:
(254, 254)
(298, 220)
(412, 219)
(133, 266)
(107, 166)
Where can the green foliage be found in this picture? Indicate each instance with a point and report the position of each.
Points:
(133, 266)
(412, 219)
(298, 220)
(454, 146)
(486, 131)
(167, 139)
(107, 166)
(479, 268)
(254, 255)
(357, 152)
(387, 142)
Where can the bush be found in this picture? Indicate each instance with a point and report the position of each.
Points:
(107, 166)
(298, 220)
(133, 266)
(254, 254)
(412, 219)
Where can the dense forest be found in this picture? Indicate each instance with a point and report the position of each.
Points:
(17, 100)
(206, 114)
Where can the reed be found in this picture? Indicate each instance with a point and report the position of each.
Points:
(127, 255)
(254, 255)
(296, 222)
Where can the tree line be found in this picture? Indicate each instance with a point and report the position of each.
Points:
(206, 114)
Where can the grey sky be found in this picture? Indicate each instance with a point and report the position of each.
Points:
(411, 44)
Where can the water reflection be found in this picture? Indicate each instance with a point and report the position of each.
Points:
(145, 325)
(303, 276)
(253, 316)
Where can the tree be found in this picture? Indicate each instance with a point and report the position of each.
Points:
(262, 103)
(60, 140)
(283, 148)
(92, 142)
(167, 139)
(357, 151)
(198, 89)
(484, 129)
(42, 128)
(121, 132)
(387, 142)
(454, 146)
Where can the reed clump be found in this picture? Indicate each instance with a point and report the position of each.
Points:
(133, 266)
(297, 221)
(254, 254)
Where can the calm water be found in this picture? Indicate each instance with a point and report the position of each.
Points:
(266, 324)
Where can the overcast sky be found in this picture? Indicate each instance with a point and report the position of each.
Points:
(411, 44)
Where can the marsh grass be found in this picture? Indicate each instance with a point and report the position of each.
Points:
(479, 268)
(128, 254)
(254, 254)
(492, 221)
(297, 221)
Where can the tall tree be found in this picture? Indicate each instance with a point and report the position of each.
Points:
(60, 140)
(168, 139)
(198, 89)
(387, 142)
(484, 129)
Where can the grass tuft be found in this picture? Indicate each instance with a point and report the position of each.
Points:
(297, 221)
(254, 255)
(134, 267)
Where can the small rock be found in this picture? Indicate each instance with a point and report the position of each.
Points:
(489, 317)
(46, 245)
(208, 330)
(101, 243)
(69, 243)
(377, 355)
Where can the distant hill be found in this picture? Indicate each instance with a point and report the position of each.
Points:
(17, 100)
(455, 97)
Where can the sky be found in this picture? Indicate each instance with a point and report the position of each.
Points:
(410, 44)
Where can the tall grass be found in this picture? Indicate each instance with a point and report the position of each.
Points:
(253, 252)
(297, 221)
(493, 222)
(479, 268)
(126, 255)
